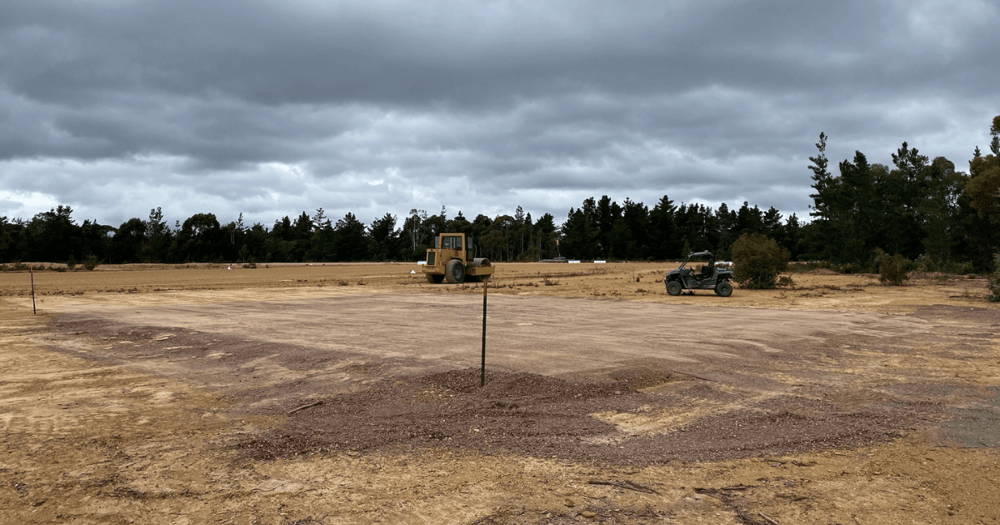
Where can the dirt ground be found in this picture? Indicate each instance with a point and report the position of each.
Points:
(324, 394)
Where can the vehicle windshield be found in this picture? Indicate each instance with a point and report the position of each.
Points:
(697, 260)
(451, 243)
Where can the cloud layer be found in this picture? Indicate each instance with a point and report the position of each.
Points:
(273, 108)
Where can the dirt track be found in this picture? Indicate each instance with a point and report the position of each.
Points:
(176, 403)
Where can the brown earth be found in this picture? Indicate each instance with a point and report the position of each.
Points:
(351, 394)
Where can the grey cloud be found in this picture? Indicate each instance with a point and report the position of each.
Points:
(274, 108)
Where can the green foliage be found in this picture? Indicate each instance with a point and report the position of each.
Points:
(90, 262)
(16, 266)
(384, 238)
(911, 207)
(579, 232)
(892, 270)
(983, 187)
(924, 263)
(757, 261)
(71, 263)
(686, 249)
(200, 239)
(350, 243)
(993, 282)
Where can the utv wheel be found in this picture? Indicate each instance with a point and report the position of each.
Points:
(454, 272)
(434, 279)
(674, 287)
(724, 289)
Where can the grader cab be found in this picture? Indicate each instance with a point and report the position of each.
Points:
(451, 261)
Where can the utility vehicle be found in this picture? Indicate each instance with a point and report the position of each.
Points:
(709, 276)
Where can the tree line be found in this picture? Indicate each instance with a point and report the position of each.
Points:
(923, 209)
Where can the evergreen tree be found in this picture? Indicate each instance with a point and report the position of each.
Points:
(322, 242)
(128, 241)
(7, 234)
(726, 221)
(158, 238)
(665, 239)
(579, 235)
(983, 186)
(631, 238)
(351, 244)
(384, 237)
(53, 236)
(200, 239)
(546, 235)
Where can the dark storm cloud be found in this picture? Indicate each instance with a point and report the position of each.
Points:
(272, 108)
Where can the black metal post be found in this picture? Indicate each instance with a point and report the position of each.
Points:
(482, 371)
(34, 311)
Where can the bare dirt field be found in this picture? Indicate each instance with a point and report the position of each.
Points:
(328, 394)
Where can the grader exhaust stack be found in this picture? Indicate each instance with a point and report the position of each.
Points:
(451, 261)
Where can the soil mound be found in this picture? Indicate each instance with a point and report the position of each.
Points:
(514, 412)
(534, 415)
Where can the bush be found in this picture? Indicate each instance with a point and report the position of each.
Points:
(16, 266)
(757, 261)
(71, 263)
(993, 281)
(90, 262)
(925, 264)
(892, 270)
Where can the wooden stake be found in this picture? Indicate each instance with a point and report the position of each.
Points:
(303, 407)
(624, 485)
(770, 520)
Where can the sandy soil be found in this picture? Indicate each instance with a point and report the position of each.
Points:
(350, 394)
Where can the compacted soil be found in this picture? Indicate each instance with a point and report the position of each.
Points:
(356, 394)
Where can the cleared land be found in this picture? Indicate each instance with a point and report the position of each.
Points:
(350, 393)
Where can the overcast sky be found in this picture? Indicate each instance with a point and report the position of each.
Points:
(272, 108)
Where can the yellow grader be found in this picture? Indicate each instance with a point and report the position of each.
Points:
(451, 261)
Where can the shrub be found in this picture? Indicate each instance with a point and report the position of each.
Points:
(757, 261)
(892, 270)
(16, 267)
(90, 262)
(925, 264)
(71, 263)
(963, 268)
(784, 281)
(993, 281)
